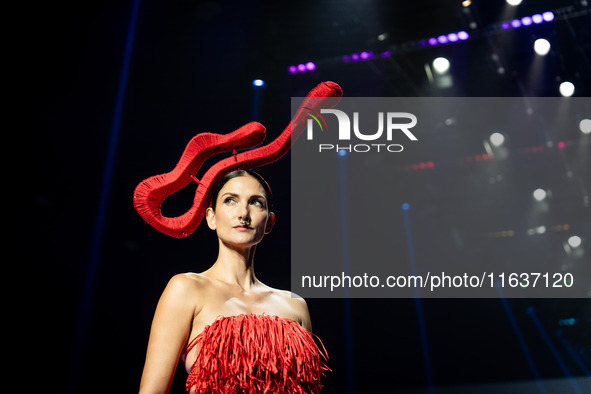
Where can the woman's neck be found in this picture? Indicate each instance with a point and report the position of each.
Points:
(235, 267)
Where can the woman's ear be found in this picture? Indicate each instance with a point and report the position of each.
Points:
(270, 222)
(210, 217)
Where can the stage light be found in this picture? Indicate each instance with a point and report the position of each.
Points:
(446, 38)
(567, 322)
(526, 21)
(258, 82)
(497, 139)
(585, 126)
(539, 194)
(574, 241)
(542, 46)
(301, 68)
(567, 89)
(310, 66)
(365, 55)
(513, 2)
(548, 16)
(537, 19)
(292, 69)
(419, 166)
(441, 65)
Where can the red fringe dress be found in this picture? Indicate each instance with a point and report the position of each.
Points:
(253, 354)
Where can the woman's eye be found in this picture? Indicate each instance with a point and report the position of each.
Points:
(258, 203)
(229, 200)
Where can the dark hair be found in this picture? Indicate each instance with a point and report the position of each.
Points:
(236, 174)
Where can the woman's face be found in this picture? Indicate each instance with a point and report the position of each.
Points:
(241, 216)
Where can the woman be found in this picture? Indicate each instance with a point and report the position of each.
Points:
(242, 336)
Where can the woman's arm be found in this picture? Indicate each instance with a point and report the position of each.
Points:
(170, 329)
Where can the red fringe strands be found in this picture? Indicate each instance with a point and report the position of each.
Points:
(150, 193)
(254, 354)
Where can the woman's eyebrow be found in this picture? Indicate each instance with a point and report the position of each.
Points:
(232, 194)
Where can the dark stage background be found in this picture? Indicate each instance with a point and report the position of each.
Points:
(110, 109)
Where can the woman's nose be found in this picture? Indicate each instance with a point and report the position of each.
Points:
(243, 210)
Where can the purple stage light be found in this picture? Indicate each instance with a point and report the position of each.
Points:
(452, 37)
(506, 25)
(462, 35)
(422, 43)
(346, 58)
(548, 16)
(537, 19)
(292, 69)
(516, 23)
(526, 21)
(364, 55)
(442, 39)
(301, 68)
(310, 66)
(386, 54)
(354, 57)
(432, 41)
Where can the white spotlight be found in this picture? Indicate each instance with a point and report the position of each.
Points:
(542, 46)
(574, 241)
(567, 89)
(539, 194)
(540, 230)
(497, 139)
(513, 2)
(441, 65)
(585, 126)
(258, 82)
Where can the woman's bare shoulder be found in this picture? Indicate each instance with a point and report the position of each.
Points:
(287, 296)
(190, 278)
(300, 305)
(296, 305)
(187, 286)
(298, 302)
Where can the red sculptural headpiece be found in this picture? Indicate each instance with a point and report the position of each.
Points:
(151, 193)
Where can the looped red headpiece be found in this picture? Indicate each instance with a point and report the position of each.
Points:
(151, 193)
